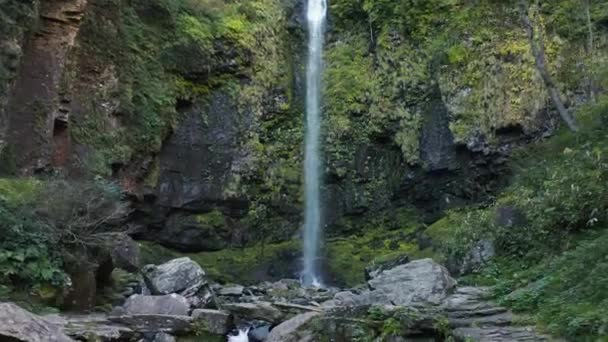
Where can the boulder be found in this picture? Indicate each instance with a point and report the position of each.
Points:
(182, 276)
(373, 270)
(172, 304)
(17, 324)
(418, 283)
(294, 329)
(263, 311)
(214, 321)
(347, 298)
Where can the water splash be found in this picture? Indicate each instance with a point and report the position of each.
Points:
(316, 13)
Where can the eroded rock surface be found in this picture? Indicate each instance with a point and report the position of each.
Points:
(17, 324)
(182, 276)
(418, 283)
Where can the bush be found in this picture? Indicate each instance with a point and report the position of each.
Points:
(42, 221)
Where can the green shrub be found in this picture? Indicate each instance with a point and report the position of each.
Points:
(41, 221)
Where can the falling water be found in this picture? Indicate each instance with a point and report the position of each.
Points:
(316, 12)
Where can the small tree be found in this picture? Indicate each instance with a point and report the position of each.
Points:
(81, 214)
(537, 46)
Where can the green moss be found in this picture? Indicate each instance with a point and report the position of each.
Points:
(214, 218)
(16, 192)
(551, 265)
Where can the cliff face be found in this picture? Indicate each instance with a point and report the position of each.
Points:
(195, 107)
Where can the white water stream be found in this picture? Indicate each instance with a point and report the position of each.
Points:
(316, 14)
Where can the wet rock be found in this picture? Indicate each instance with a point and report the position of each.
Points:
(418, 283)
(163, 337)
(259, 331)
(263, 311)
(17, 324)
(172, 304)
(294, 329)
(214, 321)
(182, 276)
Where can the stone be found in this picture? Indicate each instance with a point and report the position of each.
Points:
(17, 324)
(214, 321)
(348, 298)
(231, 291)
(294, 329)
(480, 253)
(155, 323)
(259, 332)
(181, 275)
(418, 283)
(263, 311)
(81, 327)
(125, 253)
(163, 337)
(172, 304)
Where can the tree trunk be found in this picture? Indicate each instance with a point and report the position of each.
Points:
(590, 50)
(537, 46)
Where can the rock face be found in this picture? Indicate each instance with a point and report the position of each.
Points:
(36, 111)
(181, 275)
(418, 283)
(17, 324)
(172, 304)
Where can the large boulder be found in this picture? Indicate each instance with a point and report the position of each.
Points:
(172, 304)
(17, 324)
(263, 311)
(418, 283)
(294, 329)
(182, 276)
(213, 321)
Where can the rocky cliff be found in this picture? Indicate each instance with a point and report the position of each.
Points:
(195, 107)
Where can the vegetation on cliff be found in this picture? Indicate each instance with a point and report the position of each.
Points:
(397, 73)
(550, 246)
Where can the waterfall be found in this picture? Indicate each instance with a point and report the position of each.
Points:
(316, 12)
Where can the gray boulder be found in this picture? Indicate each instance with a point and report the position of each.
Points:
(17, 324)
(213, 321)
(182, 276)
(418, 283)
(263, 311)
(172, 304)
(294, 329)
